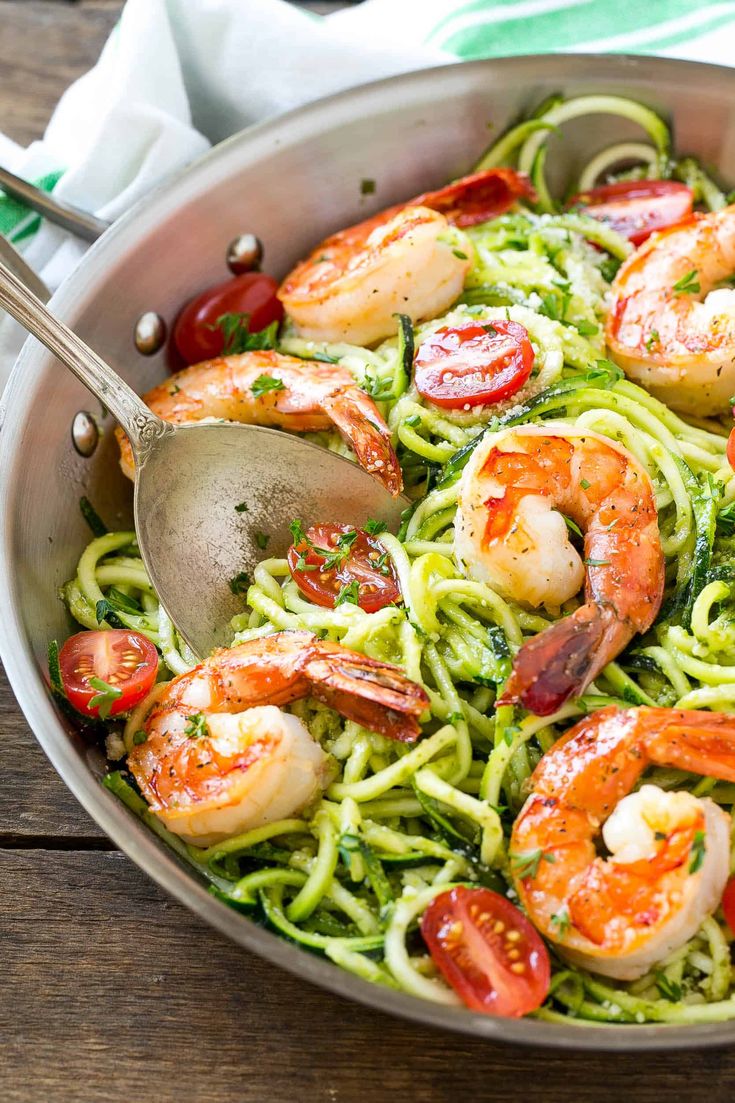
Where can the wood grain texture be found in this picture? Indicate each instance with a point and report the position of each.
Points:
(44, 46)
(110, 992)
(122, 995)
(34, 802)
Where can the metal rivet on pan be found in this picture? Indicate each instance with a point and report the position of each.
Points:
(85, 434)
(150, 333)
(245, 254)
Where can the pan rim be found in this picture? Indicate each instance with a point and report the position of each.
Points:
(26, 678)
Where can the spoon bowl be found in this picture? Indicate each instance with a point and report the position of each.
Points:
(212, 499)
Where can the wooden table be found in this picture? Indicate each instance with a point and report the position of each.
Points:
(111, 991)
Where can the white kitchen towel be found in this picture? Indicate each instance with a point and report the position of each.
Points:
(178, 75)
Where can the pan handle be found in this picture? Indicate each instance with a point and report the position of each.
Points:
(137, 420)
(84, 225)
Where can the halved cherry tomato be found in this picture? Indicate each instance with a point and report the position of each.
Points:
(635, 208)
(487, 950)
(728, 903)
(123, 660)
(360, 569)
(196, 334)
(474, 364)
(731, 449)
(478, 197)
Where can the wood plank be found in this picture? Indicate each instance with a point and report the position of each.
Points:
(44, 46)
(123, 992)
(34, 802)
(67, 38)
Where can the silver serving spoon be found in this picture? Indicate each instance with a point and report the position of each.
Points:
(211, 500)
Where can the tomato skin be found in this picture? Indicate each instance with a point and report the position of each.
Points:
(731, 449)
(728, 903)
(473, 364)
(479, 197)
(197, 337)
(503, 972)
(126, 660)
(635, 208)
(323, 587)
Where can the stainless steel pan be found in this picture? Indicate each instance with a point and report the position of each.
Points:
(290, 181)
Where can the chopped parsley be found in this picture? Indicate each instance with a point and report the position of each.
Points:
(235, 329)
(197, 726)
(139, 737)
(262, 540)
(349, 594)
(585, 484)
(413, 420)
(459, 254)
(105, 697)
(378, 388)
(367, 187)
(298, 533)
(652, 339)
(602, 371)
(242, 508)
(381, 564)
(597, 562)
(510, 732)
(571, 525)
(669, 989)
(525, 863)
(554, 305)
(346, 539)
(561, 921)
(334, 557)
(688, 284)
(587, 329)
(374, 528)
(726, 519)
(266, 383)
(697, 852)
(239, 584)
(609, 267)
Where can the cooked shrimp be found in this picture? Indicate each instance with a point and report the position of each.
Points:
(220, 757)
(510, 532)
(312, 396)
(403, 260)
(670, 327)
(352, 286)
(669, 852)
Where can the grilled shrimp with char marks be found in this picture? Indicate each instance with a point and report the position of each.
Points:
(312, 396)
(669, 852)
(220, 757)
(671, 328)
(510, 532)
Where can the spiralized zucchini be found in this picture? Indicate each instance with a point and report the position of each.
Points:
(351, 876)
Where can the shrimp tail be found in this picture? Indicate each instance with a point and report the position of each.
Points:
(358, 420)
(561, 661)
(700, 742)
(376, 695)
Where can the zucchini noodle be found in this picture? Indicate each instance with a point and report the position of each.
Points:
(350, 876)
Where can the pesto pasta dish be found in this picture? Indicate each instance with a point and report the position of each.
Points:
(487, 759)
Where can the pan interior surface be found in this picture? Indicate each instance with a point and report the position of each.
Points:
(291, 182)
